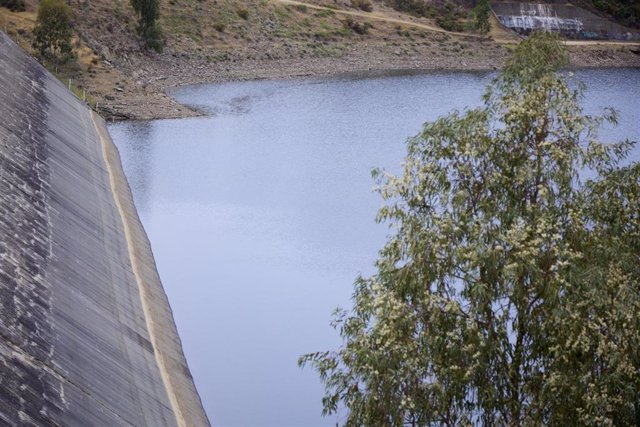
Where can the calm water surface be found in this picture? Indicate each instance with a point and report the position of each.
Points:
(262, 215)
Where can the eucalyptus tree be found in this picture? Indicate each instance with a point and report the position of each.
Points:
(509, 291)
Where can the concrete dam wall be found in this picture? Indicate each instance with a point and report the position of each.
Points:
(568, 20)
(87, 336)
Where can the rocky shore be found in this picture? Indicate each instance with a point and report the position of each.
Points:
(143, 95)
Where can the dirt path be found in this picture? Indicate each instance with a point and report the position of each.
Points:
(600, 43)
(377, 16)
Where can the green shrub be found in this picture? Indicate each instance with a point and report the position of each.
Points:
(414, 7)
(450, 23)
(243, 13)
(480, 16)
(364, 5)
(324, 13)
(219, 26)
(357, 27)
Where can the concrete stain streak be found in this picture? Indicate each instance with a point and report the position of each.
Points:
(29, 394)
(86, 332)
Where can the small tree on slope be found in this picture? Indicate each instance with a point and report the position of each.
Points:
(480, 16)
(510, 291)
(53, 31)
(148, 28)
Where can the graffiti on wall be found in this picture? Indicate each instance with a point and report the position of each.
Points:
(570, 21)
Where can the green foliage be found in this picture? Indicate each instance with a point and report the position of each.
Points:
(243, 13)
(509, 293)
(414, 7)
(357, 27)
(480, 16)
(447, 14)
(53, 31)
(448, 22)
(149, 29)
(14, 5)
(153, 37)
(364, 5)
(324, 13)
(625, 11)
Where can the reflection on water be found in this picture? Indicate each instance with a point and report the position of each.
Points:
(261, 217)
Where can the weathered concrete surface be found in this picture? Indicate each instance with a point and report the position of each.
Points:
(86, 333)
(568, 20)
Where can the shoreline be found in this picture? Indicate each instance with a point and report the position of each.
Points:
(149, 97)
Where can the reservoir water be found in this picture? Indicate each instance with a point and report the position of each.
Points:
(261, 215)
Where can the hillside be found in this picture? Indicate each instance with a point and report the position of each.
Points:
(240, 39)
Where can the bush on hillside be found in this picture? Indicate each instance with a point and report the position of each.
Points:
(364, 5)
(53, 31)
(357, 27)
(449, 22)
(413, 7)
(480, 16)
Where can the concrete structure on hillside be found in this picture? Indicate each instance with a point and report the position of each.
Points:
(86, 333)
(568, 20)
